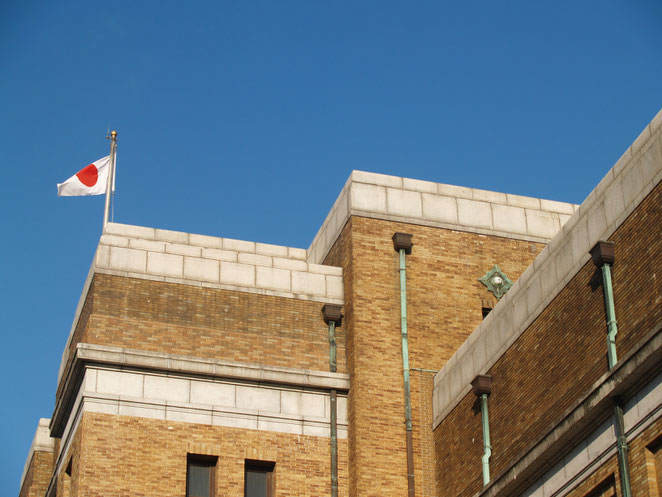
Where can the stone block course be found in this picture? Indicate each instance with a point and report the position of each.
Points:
(201, 269)
(369, 198)
(273, 250)
(125, 259)
(520, 201)
(139, 243)
(313, 284)
(189, 250)
(165, 264)
(196, 262)
(171, 236)
(474, 213)
(178, 396)
(238, 274)
(439, 208)
(404, 203)
(221, 255)
(509, 219)
(205, 241)
(277, 279)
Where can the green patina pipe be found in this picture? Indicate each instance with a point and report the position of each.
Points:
(486, 439)
(332, 346)
(334, 446)
(405, 371)
(612, 331)
(405, 343)
(333, 409)
(622, 448)
(612, 328)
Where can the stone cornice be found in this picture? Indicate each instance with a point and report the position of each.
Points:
(184, 366)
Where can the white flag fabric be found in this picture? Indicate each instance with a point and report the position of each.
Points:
(90, 180)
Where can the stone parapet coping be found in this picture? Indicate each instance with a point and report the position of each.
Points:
(203, 241)
(425, 203)
(185, 365)
(136, 251)
(624, 187)
(42, 442)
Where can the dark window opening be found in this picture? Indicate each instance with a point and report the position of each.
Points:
(200, 476)
(486, 311)
(259, 479)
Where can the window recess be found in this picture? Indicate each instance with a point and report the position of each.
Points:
(259, 479)
(200, 475)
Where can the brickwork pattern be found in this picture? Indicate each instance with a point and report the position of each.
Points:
(38, 475)
(203, 322)
(536, 380)
(646, 479)
(444, 305)
(602, 483)
(127, 456)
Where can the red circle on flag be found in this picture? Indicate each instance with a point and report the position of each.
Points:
(88, 175)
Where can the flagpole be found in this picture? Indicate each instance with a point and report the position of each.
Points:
(111, 177)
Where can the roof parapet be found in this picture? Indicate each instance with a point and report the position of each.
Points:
(435, 204)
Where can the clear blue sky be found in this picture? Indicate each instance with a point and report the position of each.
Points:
(244, 119)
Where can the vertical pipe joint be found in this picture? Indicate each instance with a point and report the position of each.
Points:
(603, 257)
(402, 244)
(482, 387)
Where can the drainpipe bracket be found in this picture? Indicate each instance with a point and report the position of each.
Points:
(482, 384)
(332, 313)
(402, 241)
(603, 253)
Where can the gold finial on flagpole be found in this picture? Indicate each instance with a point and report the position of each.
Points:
(113, 135)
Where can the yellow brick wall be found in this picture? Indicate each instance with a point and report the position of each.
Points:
(444, 306)
(38, 475)
(129, 456)
(209, 323)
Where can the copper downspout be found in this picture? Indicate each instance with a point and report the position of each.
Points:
(402, 244)
(603, 256)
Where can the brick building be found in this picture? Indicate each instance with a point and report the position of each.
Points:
(208, 366)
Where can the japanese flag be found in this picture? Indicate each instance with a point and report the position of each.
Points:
(90, 180)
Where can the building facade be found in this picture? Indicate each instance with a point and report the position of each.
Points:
(394, 356)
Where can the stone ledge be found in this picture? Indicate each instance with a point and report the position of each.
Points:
(177, 364)
(216, 368)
